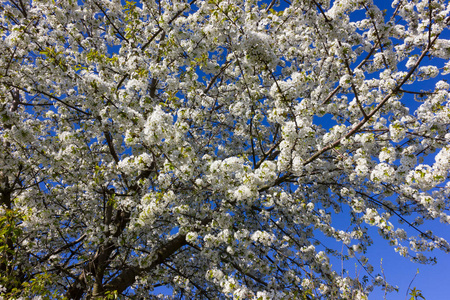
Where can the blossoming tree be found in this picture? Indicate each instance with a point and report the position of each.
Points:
(176, 143)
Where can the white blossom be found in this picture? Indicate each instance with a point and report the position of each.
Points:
(217, 147)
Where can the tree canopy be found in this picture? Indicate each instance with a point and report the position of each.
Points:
(222, 148)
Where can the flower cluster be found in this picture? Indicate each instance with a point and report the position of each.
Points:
(228, 149)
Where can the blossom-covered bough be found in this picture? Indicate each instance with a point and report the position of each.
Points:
(178, 143)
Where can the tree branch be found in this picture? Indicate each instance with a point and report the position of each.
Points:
(375, 110)
(129, 274)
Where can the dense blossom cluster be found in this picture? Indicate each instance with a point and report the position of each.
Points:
(182, 144)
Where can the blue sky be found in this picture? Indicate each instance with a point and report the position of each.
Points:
(432, 280)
